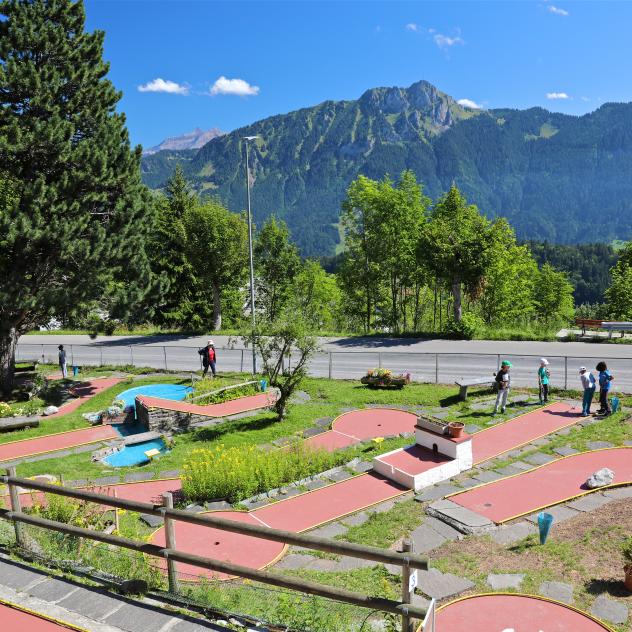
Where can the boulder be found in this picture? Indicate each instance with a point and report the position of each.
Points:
(50, 410)
(600, 478)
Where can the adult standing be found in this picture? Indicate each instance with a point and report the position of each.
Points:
(544, 376)
(605, 383)
(589, 384)
(503, 382)
(209, 358)
(62, 361)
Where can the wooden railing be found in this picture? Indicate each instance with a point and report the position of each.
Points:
(407, 560)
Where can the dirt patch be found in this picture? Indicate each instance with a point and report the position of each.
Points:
(584, 551)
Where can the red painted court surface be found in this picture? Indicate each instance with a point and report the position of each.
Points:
(510, 435)
(13, 619)
(221, 545)
(544, 486)
(54, 442)
(414, 459)
(309, 510)
(515, 613)
(361, 425)
(233, 407)
(83, 391)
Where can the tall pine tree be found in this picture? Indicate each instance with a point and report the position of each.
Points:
(76, 210)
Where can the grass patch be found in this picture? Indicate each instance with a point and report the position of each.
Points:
(385, 528)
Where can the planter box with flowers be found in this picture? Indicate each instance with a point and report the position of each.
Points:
(384, 378)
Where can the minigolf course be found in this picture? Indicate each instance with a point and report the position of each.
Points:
(17, 619)
(225, 409)
(546, 485)
(54, 442)
(500, 612)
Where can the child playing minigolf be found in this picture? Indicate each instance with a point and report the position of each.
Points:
(544, 376)
(503, 381)
(605, 383)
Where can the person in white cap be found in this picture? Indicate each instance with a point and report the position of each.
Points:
(209, 357)
(589, 384)
(544, 377)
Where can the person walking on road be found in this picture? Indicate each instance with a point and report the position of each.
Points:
(544, 376)
(605, 383)
(503, 382)
(209, 358)
(62, 361)
(589, 384)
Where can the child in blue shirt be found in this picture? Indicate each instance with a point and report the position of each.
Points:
(605, 382)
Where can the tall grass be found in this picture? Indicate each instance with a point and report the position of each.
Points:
(240, 472)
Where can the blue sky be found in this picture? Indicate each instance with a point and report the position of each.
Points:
(226, 64)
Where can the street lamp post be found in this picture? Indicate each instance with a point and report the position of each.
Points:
(252, 269)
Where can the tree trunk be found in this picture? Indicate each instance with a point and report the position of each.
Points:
(8, 342)
(217, 308)
(456, 305)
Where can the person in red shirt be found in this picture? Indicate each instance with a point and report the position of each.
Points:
(209, 358)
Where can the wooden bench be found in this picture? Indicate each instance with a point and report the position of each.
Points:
(588, 323)
(464, 384)
(18, 423)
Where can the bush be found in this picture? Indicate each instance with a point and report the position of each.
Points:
(238, 473)
(626, 548)
(5, 410)
(467, 328)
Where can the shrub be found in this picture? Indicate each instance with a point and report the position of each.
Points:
(627, 550)
(5, 410)
(238, 473)
(466, 329)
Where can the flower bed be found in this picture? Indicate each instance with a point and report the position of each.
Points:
(384, 378)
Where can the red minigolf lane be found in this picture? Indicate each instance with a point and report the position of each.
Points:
(518, 613)
(221, 545)
(414, 459)
(84, 391)
(232, 407)
(14, 619)
(141, 491)
(315, 508)
(518, 431)
(546, 485)
(361, 425)
(54, 442)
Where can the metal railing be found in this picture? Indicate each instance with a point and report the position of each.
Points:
(407, 560)
(441, 368)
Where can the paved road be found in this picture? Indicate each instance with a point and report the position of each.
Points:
(427, 360)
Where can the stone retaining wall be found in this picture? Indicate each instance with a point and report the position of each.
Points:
(168, 421)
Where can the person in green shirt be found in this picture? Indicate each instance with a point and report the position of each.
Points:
(544, 377)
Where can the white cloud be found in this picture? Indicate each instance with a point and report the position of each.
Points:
(585, 98)
(445, 41)
(468, 103)
(164, 85)
(411, 26)
(557, 95)
(237, 87)
(557, 11)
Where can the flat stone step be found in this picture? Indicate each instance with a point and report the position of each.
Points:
(141, 437)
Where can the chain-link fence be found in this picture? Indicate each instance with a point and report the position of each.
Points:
(444, 368)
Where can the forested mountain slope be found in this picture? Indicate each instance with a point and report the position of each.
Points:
(560, 178)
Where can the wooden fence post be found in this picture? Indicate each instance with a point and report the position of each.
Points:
(14, 498)
(407, 593)
(170, 537)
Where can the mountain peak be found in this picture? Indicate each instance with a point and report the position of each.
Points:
(190, 140)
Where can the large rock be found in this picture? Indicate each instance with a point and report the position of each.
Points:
(600, 478)
(50, 410)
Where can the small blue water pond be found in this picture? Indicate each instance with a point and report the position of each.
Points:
(134, 454)
(175, 392)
